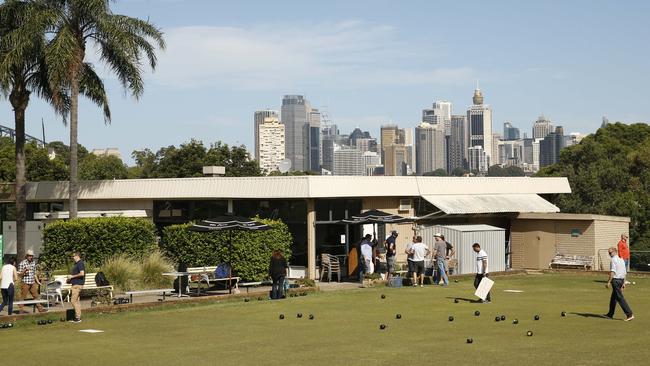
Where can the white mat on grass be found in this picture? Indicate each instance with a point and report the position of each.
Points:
(517, 291)
(91, 331)
(484, 288)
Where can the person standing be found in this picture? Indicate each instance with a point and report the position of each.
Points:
(30, 281)
(278, 272)
(616, 280)
(624, 251)
(409, 256)
(391, 252)
(77, 279)
(367, 255)
(450, 252)
(7, 287)
(419, 251)
(440, 255)
(481, 267)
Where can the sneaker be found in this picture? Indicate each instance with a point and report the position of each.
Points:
(608, 316)
(629, 318)
(76, 320)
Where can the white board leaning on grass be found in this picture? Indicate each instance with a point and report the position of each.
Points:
(484, 288)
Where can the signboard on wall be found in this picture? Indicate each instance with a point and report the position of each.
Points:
(575, 233)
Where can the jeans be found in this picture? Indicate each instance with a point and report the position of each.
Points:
(74, 299)
(277, 288)
(8, 299)
(441, 272)
(477, 281)
(627, 264)
(617, 296)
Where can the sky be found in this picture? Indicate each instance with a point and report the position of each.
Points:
(368, 63)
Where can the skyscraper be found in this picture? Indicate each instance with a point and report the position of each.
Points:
(479, 120)
(258, 120)
(440, 113)
(430, 148)
(396, 160)
(390, 135)
(302, 133)
(349, 161)
(457, 151)
(542, 127)
(510, 132)
(271, 144)
(550, 147)
(477, 159)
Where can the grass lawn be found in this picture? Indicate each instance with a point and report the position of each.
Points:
(346, 331)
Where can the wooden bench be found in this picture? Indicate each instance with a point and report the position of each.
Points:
(572, 261)
(89, 284)
(33, 303)
(162, 291)
(206, 274)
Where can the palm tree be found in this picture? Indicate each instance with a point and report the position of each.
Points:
(123, 42)
(23, 71)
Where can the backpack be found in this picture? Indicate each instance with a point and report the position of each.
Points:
(100, 279)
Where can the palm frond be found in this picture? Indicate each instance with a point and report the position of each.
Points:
(92, 87)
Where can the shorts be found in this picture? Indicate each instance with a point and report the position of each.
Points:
(411, 267)
(418, 267)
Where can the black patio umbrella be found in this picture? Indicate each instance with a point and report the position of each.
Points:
(230, 223)
(376, 217)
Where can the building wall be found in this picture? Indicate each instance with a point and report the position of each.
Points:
(608, 233)
(391, 205)
(108, 205)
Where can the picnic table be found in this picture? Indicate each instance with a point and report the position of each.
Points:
(178, 275)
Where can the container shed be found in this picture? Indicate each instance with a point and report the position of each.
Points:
(462, 237)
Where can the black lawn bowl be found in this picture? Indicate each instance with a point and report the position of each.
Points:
(398, 316)
(260, 298)
(3, 326)
(303, 294)
(247, 299)
(529, 333)
(470, 340)
(382, 326)
(383, 296)
(477, 313)
(49, 321)
(503, 317)
(41, 322)
(456, 301)
(455, 281)
(536, 317)
(281, 316)
(498, 318)
(515, 321)
(563, 314)
(451, 318)
(299, 315)
(311, 316)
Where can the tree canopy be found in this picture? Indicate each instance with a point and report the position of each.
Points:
(609, 173)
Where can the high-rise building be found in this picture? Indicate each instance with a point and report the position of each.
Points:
(372, 161)
(477, 159)
(349, 161)
(258, 120)
(542, 127)
(457, 142)
(511, 152)
(365, 144)
(314, 140)
(295, 116)
(439, 113)
(536, 144)
(430, 148)
(550, 147)
(390, 135)
(396, 160)
(358, 134)
(409, 142)
(510, 132)
(479, 120)
(271, 144)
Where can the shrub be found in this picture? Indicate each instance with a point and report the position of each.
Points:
(152, 269)
(97, 239)
(122, 272)
(251, 250)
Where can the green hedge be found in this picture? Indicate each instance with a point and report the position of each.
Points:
(251, 250)
(97, 239)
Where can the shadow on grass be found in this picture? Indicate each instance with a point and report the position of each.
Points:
(464, 299)
(591, 315)
(600, 281)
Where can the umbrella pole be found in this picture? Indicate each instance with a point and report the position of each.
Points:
(230, 264)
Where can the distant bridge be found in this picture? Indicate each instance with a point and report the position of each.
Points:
(10, 132)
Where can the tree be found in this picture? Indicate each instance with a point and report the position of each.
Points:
(236, 159)
(23, 72)
(459, 172)
(609, 175)
(95, 167)
(437, 173)
(122, 42)
(509, 171)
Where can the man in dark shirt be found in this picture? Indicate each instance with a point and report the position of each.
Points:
(77, 279)
(391, 251)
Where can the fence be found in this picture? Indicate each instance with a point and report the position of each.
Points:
(639, 260)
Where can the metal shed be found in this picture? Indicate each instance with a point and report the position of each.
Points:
(491, 238)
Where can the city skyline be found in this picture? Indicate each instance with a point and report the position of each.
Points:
(369, 65)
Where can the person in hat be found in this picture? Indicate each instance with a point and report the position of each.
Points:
(29, 279)
(440, 255)
(391, 252)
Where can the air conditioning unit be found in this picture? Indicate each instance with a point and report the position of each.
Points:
(404, 204)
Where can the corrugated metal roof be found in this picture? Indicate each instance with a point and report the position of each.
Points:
(469, 228)
(459, 204)
(295, 187)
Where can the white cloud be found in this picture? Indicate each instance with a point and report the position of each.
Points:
(346, 54)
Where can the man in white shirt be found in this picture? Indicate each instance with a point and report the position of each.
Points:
(409, 256)
(367, 254)
(9, 276)
(616, 280)
(419, 251)
(481, 267)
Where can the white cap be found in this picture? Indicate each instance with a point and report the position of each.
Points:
(438, 235)
(29, 252)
